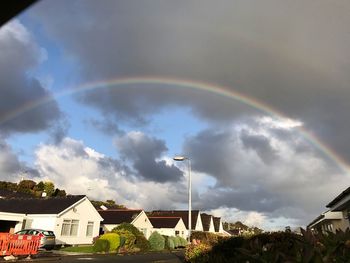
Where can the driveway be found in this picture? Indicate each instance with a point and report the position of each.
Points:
(160, 257)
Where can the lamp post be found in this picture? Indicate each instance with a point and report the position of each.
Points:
(180, 159)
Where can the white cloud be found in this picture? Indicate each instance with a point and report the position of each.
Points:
(81, 170)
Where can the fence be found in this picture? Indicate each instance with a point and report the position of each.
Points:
(11, 244)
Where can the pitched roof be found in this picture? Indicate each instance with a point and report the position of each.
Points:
(216, 221)
(118, 216)
(178, 213)
(54, 205)
(12, 194)
(164, 222)
(206, 221)
(339, 197)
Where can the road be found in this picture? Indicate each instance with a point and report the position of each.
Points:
(168, 257)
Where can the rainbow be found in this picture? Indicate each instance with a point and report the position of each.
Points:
(185, 84)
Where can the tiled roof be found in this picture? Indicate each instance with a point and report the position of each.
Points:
(339, 197)
(217, 221)
(12, 194)
(164, 222)
(178, 213)
(118, 216)
(206, 221)
(53, 205)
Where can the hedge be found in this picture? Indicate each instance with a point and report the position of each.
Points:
(141, 242)
(127, 239)
(101, 245)
(113, 239)
(156, 241)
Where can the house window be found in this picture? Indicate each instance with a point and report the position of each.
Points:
(177, 232)
(70, 227)
(89, 228)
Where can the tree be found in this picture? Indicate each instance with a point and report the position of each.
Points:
(49, 188)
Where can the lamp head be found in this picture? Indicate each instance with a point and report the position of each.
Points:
(179, 158)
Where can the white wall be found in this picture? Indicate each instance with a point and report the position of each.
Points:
(143, 224)
(199, 225)
(83, 211)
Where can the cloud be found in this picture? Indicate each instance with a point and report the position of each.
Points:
(18, 89)
(11, 168)
(296, 182)
(81, 170)
(106, 126)
(282, 54)
(145, 152)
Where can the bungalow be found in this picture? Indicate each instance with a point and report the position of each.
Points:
(218, 225)
(169, 226)
(208, 223)
(73, 219)
(114, 217)
(196, 222)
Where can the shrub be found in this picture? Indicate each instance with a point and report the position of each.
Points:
(101, 245)
(141, 242)
(183, 242)
(156, 241)
(205, 237)
(176, 242)
(170, 242)
(113, 239)
(197, 253)
(127, 239)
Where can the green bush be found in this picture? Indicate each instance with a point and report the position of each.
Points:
(183, 242)
(176, 242)
(101, 245)
(127, 239)
(156, 241)
(113, 239)
(170, 242)
(141, 242)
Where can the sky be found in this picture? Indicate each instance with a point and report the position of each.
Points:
(99, 98)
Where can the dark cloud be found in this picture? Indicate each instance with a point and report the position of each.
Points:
(261, 145)
(11, 168)
(143, 151)
(255, 170)
(281, 53)
(18, 90)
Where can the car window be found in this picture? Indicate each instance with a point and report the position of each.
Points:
(33, 232)
(48, 233)
(22, 232)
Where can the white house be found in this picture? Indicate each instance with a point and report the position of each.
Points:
(169, 226)
(208, 223)
(114, 217)
(73, 219)
(196, 222)
(218, 225)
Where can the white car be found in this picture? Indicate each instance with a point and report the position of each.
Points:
(48, 238)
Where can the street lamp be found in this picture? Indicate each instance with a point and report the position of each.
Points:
(180, 159)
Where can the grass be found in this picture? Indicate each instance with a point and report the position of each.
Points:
(81, 249)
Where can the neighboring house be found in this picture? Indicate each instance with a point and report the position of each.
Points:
(73, 219)
(328, 221)
(218, 225)
(342, 204)
(114, 217)
(208, 223)
(337, 217)
(13, 194)
(169, 226)
(196, 222)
